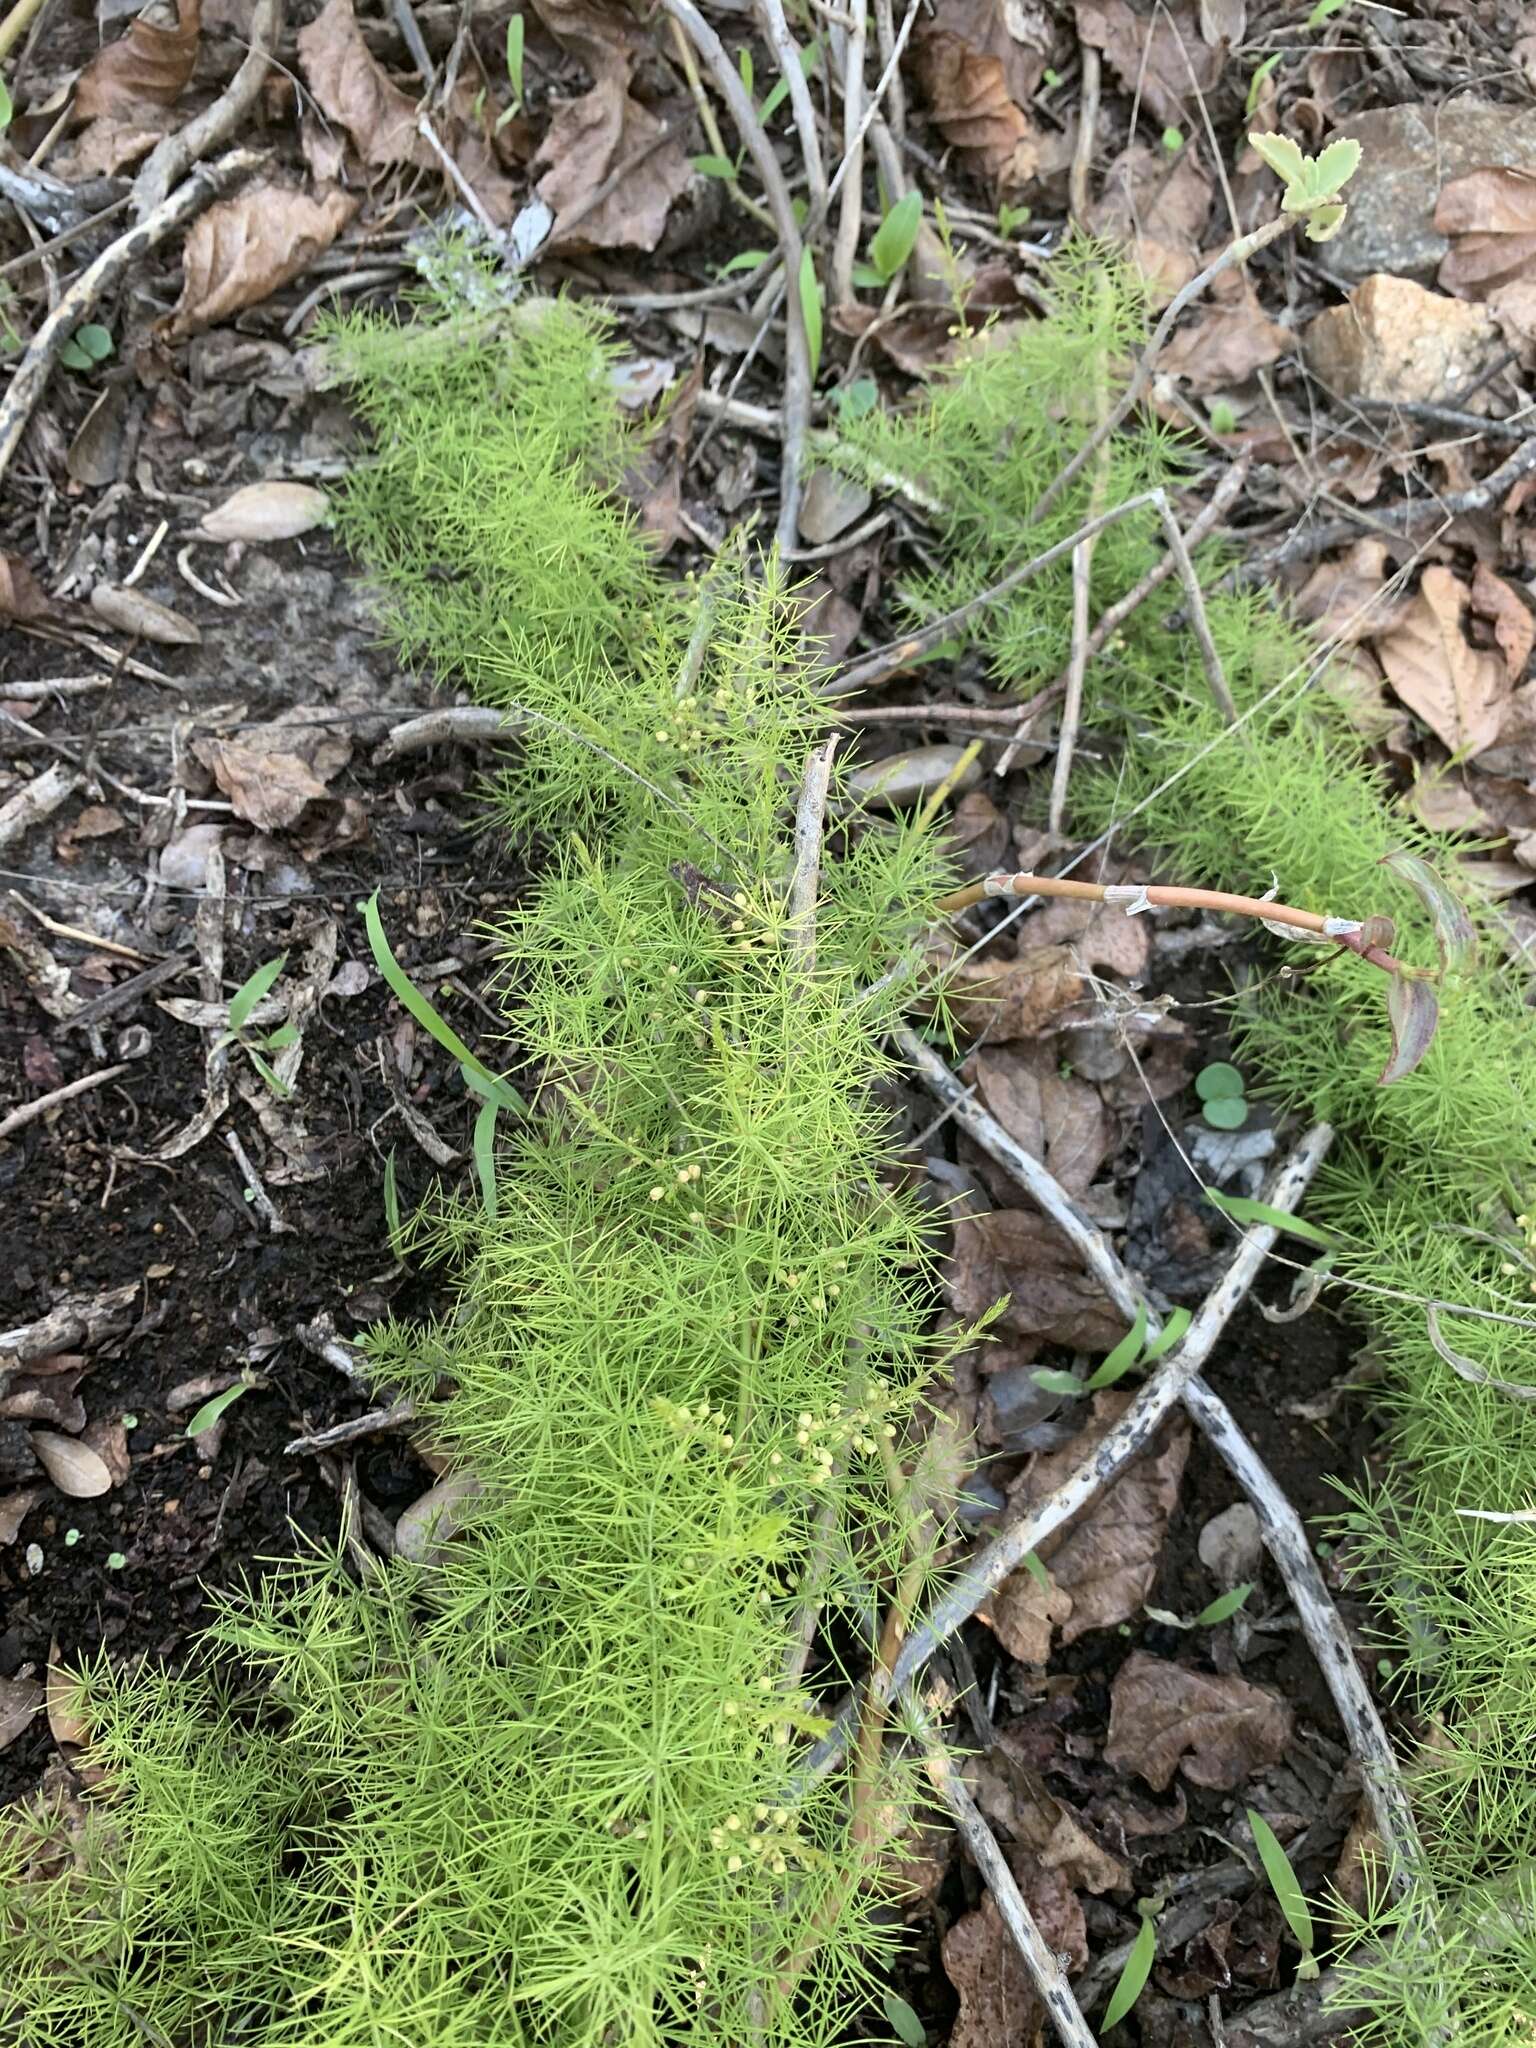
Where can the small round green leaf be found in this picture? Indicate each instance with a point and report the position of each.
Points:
(1219, 1078)
(1225, 1113)
(97, 342)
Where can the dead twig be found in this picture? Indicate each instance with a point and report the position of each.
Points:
(1114, 618)
(320, 1338)
(796, 411)
(1082, 554)
(29, 1112)
(770, 14)
(75, 1323)
(170, 160)
(76, 304)
(1400, 523)
(810, 820)
(896, 655)
(35, 801)
(255, 1188)
(466, 725)
(1126, 1440)
(360, 1426)
(845, 246)
(1036, 1953)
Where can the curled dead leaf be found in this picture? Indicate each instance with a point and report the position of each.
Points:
(271, 510)
(1507, 612)
(1218, 1730)
(74, 1468)
(1159, 57)
(1225, 346)
(353, 90)
(1058, 1119)
(20, 1701)
(22, 597)
(272, 771)
(130, 611)
(970, 105)
(146, 66)
(1016, 1253)
(243, 249)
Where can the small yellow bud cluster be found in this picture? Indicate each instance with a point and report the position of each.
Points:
(681, 727)
(706, 1424)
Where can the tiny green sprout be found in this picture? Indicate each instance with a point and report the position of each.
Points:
(71, 1538)
(1241, 1210)
(1138, 1968)
(894, 239)
(856, 400)
(211, 1410)
(1221, 1609)
(1011, 218)
(1286, 1887)
(809, 295)
(904, 2021)
(1325, 11)
(1256, 84)
(745, 68)
(1050, 77)
(1173, 138)
(749, 259)
(1223, 416)
(516, 35)
(115, 1560)
(7, 109)
(130, 1422)
(1220, 1089)
(86, 348)
(809, 56)
(242, 1007)
(1312, 183)
(710, 166)
(411, 997)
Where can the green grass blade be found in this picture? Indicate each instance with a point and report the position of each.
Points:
(1124, 1355)
(210, 1411)
(424, 1012)
(485, 1153)
(1283, 1881)
(1241, 1210)
(1133, 1978)
(251, 991)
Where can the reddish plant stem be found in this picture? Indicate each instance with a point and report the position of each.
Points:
(1161, 896)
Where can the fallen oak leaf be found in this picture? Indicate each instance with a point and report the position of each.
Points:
(1490, 217)
(1458, 690)
(588, 141)
(244, 249)
(352, 89)
(1218, 1730)
(147, 66)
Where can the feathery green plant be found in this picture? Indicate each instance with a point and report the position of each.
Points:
(536, 1789)
(1431, 1179)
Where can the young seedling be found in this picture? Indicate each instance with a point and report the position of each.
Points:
(87, 347)
(1133, 1349)
(891, 244)
(1138, 1968)
(1286, 1887)
(1222, 1608)
(1220, 1089)
(1312, 183)
(516, 31)
(809, 291)
(1412, 1008)
(242, 1008)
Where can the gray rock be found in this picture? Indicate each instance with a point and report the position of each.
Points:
(1409, 153)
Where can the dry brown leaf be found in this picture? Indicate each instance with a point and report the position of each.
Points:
(604, 35)
(272, 771)
(1217, 1730)
(46, 1393)
(148, 66)
(1159, 58)
(108, 1438)
(109, 145)
(586, 142)
(1020, 34)
(1490, 216)
(1024, 1616)
(22, 597)
(352, 89)
(244, 249)
(1347, 600)
(1105, 1563)
(970, 105)
(1225, 346)
(1458, 690)
(1011, 1000)
(1509, 615)
(131, 611)
(20, 1701)
(1099, 934)
(998, 2006)
(1016, 1253)
(66, 1719)
(1158, 213)
(74, 1468)
(266, 511)
(1058, 1119)
(15, 1508)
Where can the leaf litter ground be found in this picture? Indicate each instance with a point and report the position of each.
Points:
(240, 406)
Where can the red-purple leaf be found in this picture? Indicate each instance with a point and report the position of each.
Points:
(1414, 1012)
(1455, 934)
